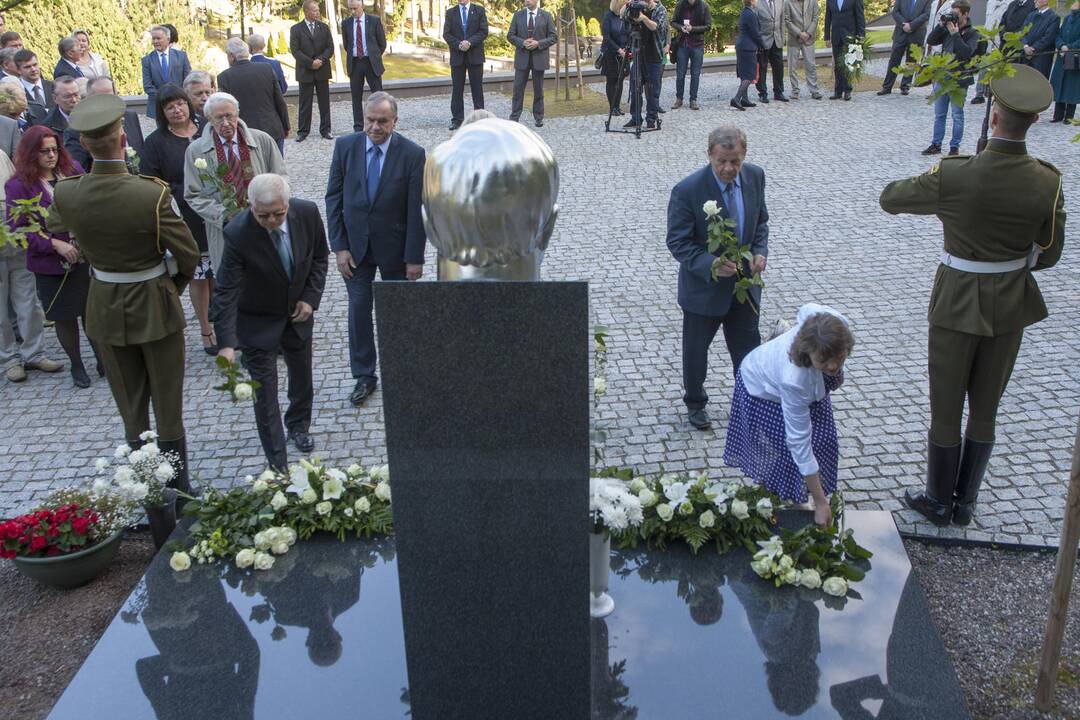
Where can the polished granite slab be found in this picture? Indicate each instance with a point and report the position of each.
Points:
(320, 635)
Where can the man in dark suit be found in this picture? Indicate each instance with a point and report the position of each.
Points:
(69, 54)
(312, 46)
(39, 91)
(257, 46)
(162, 65)
(843, 20)
(65, 97)
(132, 128)
(1040, 38)
(532, 32)
(364, 42)
(910, 17)
(1013, 19)
(262, 106)
(268, 288)
(373, 213)
(738, 189)
(465, 29)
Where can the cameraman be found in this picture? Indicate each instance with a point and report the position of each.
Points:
(956, 36)
(649, 18)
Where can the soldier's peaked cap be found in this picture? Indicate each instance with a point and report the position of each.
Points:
(1025, 91)
(97, 115)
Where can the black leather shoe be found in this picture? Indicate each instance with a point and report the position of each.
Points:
(362, 391)
(699, 418)
(737, 105)
(746, 103)
(847, 94)
(539, 122)
(763, 99)
(780, 97)
(617, 111)
(935, 503)
(326, 136)
(978, 100)
(885, 91)
(301, 440)
(455, 124)
(661, 110)
(905, 91)
(79, 377)
(973, 463)
(835, 96)
(301, 138)
(934, 149)
(631, 123)
(650, 124)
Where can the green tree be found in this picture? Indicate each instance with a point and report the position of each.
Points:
(282, 45)
(594, 27)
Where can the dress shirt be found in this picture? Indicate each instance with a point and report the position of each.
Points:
(163, 60)
(29, 87)
(234, 146)
(768, 373)
(740, 213)
(383, 146)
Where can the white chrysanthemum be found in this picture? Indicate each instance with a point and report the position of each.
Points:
(122, 451)
(124, 474)
(147, 435)
(151, 450)
(164, 472)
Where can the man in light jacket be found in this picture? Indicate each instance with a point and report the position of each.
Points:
(800, 20)
(770, 15)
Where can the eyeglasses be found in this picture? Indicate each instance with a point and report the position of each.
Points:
(49, 151)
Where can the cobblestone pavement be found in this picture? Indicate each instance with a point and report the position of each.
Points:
(826, 163)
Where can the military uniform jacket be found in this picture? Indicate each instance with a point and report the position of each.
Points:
(125, 223)
(993, 207)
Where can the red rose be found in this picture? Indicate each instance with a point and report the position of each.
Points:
(37, 543)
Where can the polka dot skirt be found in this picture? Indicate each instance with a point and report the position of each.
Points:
(757, 445)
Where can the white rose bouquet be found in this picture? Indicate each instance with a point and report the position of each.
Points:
(721, 237)
(856, 54)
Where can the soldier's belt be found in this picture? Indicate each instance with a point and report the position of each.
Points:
(986, 268)
(131, 277)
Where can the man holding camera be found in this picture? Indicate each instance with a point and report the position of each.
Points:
(956, 36)
(646, 18)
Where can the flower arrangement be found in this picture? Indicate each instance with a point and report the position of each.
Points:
(239, 386)
(598, 435)
(230, 201)
(813, 557)
(254, 523)
(140, 475)
(856, 52)
(697, 511)
(613, 508)
(722, 237)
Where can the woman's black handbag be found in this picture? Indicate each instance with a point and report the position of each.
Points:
(1071, 60)
(599, 60)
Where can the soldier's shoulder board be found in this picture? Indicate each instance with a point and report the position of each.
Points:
(157, 180)
(1048, 165)
(68, 179)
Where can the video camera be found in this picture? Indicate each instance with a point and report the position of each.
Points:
(635, 7)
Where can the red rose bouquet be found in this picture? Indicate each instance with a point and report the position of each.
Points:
(51, 531)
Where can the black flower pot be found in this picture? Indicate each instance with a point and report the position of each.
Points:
(162, 518)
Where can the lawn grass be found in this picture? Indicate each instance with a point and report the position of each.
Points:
(401, 67)
(593, 103)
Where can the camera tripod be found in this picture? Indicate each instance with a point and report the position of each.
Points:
(632, 56)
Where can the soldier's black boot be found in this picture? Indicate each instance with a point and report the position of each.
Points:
(975, 458)
(181, 481)
(935, 503)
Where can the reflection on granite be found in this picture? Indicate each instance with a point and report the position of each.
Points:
(320, 635)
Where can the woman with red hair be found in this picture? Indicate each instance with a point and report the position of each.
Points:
(61, 273)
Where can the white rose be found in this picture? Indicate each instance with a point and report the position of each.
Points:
(362, 505)
(164, 472)
(245, 558)
(740, 509)
(810, 579)
(260, 486)
(354, 470)
(288, 534)
(180, 561)
(272, 536)
(707, 519)
(761, 566)
(280, 548)
(790, 577)
(100, 464)
(637, 485)
(242, 391)
(261, 541)
(647, 497)
(665, 512)
(382, 491)
(379, 472)
(278, 501)
(599, 385)
(835, 586)
(122, 451)
(136, 457)
(147, 435)
(786, 562)
(200, 163)
(263, 561)
(764, 508)
(124, 475)
(268, 475)
(711, 208)
(309, 497)
(686, 508)
(324, 507)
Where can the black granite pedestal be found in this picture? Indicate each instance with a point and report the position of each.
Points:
(486, 401)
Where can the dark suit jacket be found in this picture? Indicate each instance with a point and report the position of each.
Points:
(687, 236)
(1016, 15)
(56, 121)
(132, 129)
(179, 68)
(475, 32)
(391, 227)
(543, 33)
(915, 12)
(63, 67)
(278, 72)
(375, 42)
(749, 37)
(845, 22)
(305, 47)
(1041, 36)
(262, 106)
(253, 297)
(35, 111)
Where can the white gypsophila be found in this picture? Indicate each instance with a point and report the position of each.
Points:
(835, 586)
(278, 501)
(707, 519)
(180, 561)
(740, 509)
(100, 464)
(764, 508)
(259, 486)
(298, 480)
(164, 472)
(151, 450)
(333, 485)
(122, 451)
(242, 391)
(147, 435)
(245, 558)
(382, 491)
(362, 505)
(263, 561)
(324, 507)
(200, 163)
(711, 208)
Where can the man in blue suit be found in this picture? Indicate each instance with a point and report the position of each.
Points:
(373, 215)
(738, 188)
(844, 20)
(910, 17)
(257, 45)
(464, 30)
(1040, 38)
(162, 65)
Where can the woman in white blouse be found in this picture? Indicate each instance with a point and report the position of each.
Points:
(782, 432)
(91, 64)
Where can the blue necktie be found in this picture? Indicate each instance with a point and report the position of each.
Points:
(464, 17)
(78, 72)
(732, 204)
(373, 171)
(284, 251)
(165, 66)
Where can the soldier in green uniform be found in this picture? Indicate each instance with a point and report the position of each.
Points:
(1003, 217)
(125, 225)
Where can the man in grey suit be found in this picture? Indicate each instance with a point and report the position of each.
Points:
(9, 136)
(255, 87)
(910, 17)
(162, 65)
(800, 19)
(771, 18)
(738, 189)
(532, 32)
